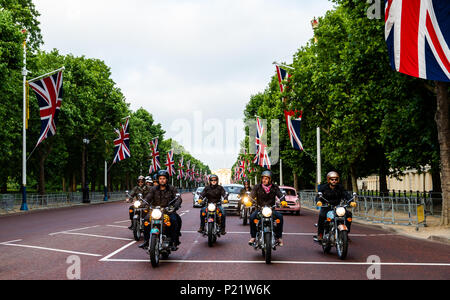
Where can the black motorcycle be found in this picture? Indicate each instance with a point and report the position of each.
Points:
(140, 212)
(212, 214)
(336, 230)
(265, 236)
(160, 243)
(247, 208)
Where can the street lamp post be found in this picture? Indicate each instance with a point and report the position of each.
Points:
(85, 183)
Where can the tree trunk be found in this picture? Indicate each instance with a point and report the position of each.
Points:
(436, 178)
(296, 187)
(4, 185)
(354, 179)
(83, 167)
(442, 121)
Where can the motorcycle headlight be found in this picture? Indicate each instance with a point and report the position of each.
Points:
(137, 204)
(245, 200)
(156, 214)
(340, 211)
(211, 207)
(267, 212)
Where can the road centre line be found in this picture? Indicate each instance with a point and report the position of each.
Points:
(9, 242)
(78, 229)
(51, 249)
(121, 221)
(106, 258)
(283, 262)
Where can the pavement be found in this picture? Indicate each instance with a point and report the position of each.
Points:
(51, 244)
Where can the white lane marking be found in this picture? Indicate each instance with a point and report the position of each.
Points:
(9, 242)
(285, 262)
(305, 234)
(51, 249)
(78, 229)
(106, 258)
(122, 221)
(98, 236)
(117, 226)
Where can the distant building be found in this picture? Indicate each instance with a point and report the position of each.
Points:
(224, 176)
(411, 181)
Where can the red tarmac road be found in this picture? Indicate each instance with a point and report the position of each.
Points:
(37, 245)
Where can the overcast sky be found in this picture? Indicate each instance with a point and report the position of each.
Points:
(185, 59)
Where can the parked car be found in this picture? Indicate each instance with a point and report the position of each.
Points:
(196, 197)
(232, 207)
(292, 199)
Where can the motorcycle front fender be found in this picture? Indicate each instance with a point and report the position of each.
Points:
(342, 227)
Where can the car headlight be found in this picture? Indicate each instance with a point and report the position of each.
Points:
(137, 204)
(211, 207)
(156, 214)
(267, 212)
(340, 211)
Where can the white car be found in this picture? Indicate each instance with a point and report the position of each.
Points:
(196, 197)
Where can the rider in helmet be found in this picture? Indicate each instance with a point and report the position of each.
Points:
(155, 180)
(163, 195)
(334, 192)
(139, 189)
(148, 185)
(265, 194)
(214, 193)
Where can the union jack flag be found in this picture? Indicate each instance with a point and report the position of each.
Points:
(180, 169)
(293, 126)
(262, 157)
(170, 163)
(156, 165)
(122, 143)
(49, 92)
(188, 171)
(417, 33)
(282, 76)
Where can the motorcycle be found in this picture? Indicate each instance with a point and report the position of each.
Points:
(247, 208)
(140, 211)
(336, 231)
(159, 241)
(212, 228)
(265, 236)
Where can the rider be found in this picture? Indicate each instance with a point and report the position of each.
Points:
(333, 192)
(155, 180)
(244, 190)
(213, 192)
(139, 189)
(265, 194)
(162, 195)
(148, 185)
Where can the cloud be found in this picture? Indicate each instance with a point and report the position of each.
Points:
(175, 57)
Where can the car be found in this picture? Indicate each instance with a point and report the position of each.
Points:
(233, 191)
(196, 197)
(292, 199)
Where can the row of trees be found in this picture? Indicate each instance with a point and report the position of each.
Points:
(92, 107)
(373, 120)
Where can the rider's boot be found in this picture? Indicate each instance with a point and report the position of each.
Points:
(144, 245)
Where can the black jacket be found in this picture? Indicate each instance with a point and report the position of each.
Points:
(139, 190)
(162, 198)
(213, 193)
(262, 198)
(334, 196)
(244, 191)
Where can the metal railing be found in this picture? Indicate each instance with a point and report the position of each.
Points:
(399, 209)
(12, 202)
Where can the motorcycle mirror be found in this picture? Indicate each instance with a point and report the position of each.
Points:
(355, 194)
(178, 195)
(140, 195)
(126, 192)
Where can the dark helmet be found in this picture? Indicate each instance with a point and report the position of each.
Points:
(213, 176)
(267, 174)
(155, 177)
(163, 173)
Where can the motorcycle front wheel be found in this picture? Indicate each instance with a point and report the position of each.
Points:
(210, 234)
(154, 251)
(342, 244)
(245, 217)
(136, 230)
(268, 247)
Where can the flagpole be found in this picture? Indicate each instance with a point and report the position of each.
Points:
(281, 172)
(24, 206)
(319, 160)
(106, 180)
(48, 74)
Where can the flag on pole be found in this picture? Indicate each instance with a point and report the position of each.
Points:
(122, 143)
(49, 92)
(180, 169)
(282, 76)
(262, 157)
(156, 165)
(188, 171)
(170, 164)
(293, 125)
(417, 34)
